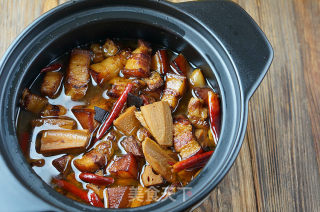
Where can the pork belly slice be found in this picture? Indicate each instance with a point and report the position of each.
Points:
(150, 97)
(184, 140)
(198, 113)
(176, 83)
(63, 163)
(159, 159)
(124, 167)
(63, 141)
(98, 157)
(86, 118)
(127, 122)
(97, 52)
(110, 48)
(138, 64)
(91, 162)
(182, 132)
(202, 93)
(202, 136)
(132, 145)
(98, 101)
(77, 77)
(175, 87)
(119, 84)
(51, 84)
(32, 102)
(157, 117)
(53, 110)
(65, 123)
(118, 197)
(108, 68)
(154, 82)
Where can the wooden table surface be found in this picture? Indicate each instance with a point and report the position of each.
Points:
(278, 166)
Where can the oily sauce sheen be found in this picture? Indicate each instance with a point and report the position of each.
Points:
(165, 127)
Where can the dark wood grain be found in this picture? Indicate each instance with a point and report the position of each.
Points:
(279, 164)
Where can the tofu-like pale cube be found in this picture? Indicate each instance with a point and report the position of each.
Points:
(197, 78)
(62, 141)
(127, 121)
(159, 121)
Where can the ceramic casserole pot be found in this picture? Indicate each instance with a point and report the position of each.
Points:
(217, 36)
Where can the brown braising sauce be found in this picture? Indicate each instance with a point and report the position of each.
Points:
(119, 123)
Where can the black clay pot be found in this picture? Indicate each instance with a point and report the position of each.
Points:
(214, 35)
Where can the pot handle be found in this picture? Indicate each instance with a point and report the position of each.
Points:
(242, 38)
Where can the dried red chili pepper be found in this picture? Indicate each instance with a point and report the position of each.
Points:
(94, 200)
(89, 197)
(214, 113)
(160, 61)
(96, 179)
(114, 112)
(53, 67)
(180, 65)
(196, 161)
